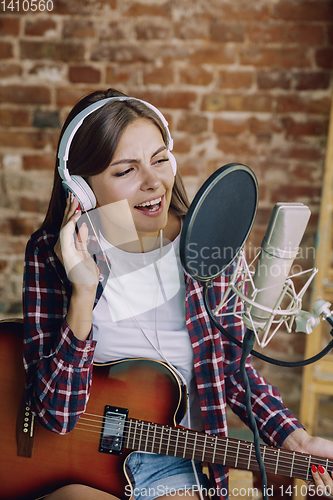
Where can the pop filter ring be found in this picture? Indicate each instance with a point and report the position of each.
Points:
(232, 188)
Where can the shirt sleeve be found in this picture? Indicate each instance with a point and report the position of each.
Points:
(275, 421)
(58, 365)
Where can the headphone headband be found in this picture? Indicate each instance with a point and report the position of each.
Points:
(76, 123)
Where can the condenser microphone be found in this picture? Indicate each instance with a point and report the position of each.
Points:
(213, 235)
(279, 249)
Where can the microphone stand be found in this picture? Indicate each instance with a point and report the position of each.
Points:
(248, 343)
(247, 349)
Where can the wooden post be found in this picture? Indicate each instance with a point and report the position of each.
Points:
(318, 377)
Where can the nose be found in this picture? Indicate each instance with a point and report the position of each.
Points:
(149, 180)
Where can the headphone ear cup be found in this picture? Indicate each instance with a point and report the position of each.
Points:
(173, 162)
(82, 191)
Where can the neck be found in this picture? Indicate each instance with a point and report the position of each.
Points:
(145, 243)
(151, 242)
(134, 242)
(142, 243)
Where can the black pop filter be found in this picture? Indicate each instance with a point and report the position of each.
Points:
(218, 221)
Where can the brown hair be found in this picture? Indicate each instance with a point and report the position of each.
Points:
(94, 145)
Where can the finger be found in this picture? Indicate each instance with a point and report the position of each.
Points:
(70, 208)
(74, 215)
(316, 476)
(325, 476)
(82, 238)
(67, 208)
(74, 205)
(67, 232)
(71, 201)
(323, 481)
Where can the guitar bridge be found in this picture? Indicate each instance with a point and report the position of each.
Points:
(113, 427)
(24, 430)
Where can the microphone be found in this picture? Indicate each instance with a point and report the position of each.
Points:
(280, 247)
(217, 224)
(271, 300)
(213, 236)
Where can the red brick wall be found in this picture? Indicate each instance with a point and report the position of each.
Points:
(245, 81)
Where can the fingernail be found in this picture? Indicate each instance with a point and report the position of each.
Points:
(321, 469)
(314, 468)
(77, 210)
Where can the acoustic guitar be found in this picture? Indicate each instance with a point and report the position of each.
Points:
(134, 405)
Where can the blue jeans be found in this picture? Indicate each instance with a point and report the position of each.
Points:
(157, 475)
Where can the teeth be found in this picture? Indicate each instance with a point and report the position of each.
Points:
(148, 203)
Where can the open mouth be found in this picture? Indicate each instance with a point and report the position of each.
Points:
(150, 206)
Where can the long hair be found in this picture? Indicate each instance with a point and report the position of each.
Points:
(94, 146)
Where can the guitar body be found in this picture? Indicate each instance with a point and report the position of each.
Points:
(147, 388)
(133, 405)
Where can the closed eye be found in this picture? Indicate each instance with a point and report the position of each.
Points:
(161, 161)
(120, 174)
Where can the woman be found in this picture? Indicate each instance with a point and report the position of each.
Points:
(117, 291)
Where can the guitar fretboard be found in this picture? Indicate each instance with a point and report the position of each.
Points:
(185, 443)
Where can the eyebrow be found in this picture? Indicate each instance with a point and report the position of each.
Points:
(133, 160)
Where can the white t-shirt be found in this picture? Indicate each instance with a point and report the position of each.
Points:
(149, 286)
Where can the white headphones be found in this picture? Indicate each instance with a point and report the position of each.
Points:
(75, 183)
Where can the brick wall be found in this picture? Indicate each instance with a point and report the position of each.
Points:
(237, 80)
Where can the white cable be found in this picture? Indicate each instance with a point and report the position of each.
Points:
(192, 461)
(159, 349)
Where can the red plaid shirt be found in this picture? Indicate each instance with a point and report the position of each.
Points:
(59, 366)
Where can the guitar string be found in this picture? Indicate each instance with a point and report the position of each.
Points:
(189, 437)
(283, 467)
(159, 433)
(231, 447)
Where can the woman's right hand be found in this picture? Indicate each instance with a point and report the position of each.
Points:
(72, 250)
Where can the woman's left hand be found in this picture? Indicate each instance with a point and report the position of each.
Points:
(323, 480)
(302, 442)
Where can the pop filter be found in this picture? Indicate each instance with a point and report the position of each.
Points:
(218, 221)
(214, 232)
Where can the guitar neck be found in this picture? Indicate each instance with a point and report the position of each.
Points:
(185, 443)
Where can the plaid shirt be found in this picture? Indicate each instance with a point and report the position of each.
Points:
(59, 366)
